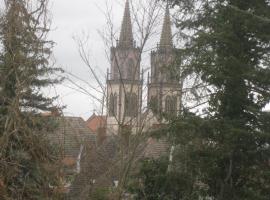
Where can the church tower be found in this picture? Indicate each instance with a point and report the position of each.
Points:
(124, 81)
(163, 84)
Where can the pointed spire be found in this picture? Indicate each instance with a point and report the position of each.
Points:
(126, 37)
(166, 35)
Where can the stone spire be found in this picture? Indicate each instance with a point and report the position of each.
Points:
(126, 37)
(166, 35)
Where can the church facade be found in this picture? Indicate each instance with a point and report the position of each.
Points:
(125, 81)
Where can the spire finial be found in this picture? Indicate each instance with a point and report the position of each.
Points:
(126, 37)
(166, 35)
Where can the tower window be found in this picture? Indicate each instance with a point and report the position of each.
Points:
(171, 105)
(131, 105)
(153, 104)
(113, 104)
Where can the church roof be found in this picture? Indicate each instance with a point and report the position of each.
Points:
(70, 134)
(126, 36)
(166, 35)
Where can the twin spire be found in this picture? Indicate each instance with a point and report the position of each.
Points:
(126, 35)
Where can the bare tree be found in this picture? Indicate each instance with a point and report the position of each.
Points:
(146, 17)
(130, 126)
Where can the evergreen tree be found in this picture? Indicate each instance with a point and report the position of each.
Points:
(157, 183)
(226, 153)
(28, 164)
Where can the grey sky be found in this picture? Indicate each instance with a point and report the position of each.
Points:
(72, 18)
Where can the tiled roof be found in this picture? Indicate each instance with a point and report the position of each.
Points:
(99, 165)
(74, 137)
(71, 133)
(156, 148)
(98, 162)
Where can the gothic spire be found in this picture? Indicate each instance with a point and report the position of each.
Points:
(166, 35)
(126, 37)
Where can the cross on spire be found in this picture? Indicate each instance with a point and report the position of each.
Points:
(166, 35)
(126, 37)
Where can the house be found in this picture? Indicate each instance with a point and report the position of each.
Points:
(96, 151)
(72, 136)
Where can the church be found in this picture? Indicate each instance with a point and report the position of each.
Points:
(93, 150)
(125, 82)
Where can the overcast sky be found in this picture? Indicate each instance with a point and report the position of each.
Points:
(73, 18)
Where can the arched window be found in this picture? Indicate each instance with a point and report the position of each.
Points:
(153, 104)
(116, 69)
(113, 104)
(167, 104)
(154, 72)
(134, 105)
(172, 73)
(131, 105)
(174, 106)
(171, 105)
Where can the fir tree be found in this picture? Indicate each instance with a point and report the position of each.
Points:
(28, 164)
(226, 153)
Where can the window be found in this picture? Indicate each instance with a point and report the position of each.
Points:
(171, 105)
(131, 105)
(113, 104)
(116, 69)
(174, 106)
(173, 74)
(167, 104)
(153, 104)
(154, 72)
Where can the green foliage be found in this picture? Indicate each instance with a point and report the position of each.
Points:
(226, 153)
(230, 146)
(100, 194)
(224, 159)
(28, 163)
(25, 56)
(156, 181)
